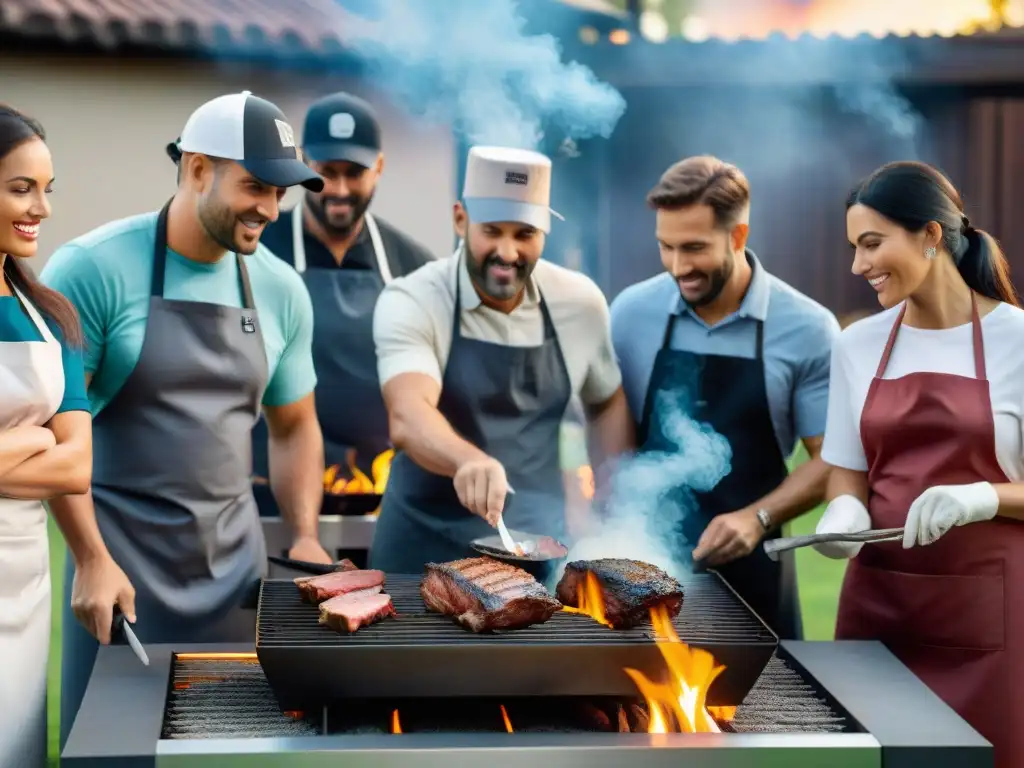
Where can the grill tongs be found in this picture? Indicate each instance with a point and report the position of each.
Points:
(773, 547)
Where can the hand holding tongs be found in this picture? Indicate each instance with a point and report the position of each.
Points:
(773, 547)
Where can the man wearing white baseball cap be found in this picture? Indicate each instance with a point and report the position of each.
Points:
(478, 357)
(192, 327)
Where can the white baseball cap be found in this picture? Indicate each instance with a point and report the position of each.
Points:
(252, 132)
(504, 184)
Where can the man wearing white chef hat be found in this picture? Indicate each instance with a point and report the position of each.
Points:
(479, 355)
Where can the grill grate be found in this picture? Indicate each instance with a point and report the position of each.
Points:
(422, 654)
(232, 699)
(710, 614)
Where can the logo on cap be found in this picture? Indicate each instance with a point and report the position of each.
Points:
(516, 177)
(341, 126)
(285, 132)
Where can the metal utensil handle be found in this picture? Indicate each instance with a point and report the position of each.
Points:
(773, 546)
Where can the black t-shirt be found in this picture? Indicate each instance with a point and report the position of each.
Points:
(404, 254)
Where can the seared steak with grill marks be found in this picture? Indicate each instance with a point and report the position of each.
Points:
(347, 613)
(630, 588)
(483, 594)
(319, 588)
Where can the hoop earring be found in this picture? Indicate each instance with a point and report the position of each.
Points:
(930, 253)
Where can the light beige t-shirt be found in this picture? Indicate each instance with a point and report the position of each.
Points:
(412, 324)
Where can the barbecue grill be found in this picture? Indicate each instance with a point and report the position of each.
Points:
(427, 655)
(840, 705)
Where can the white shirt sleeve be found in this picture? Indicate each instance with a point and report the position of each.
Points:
(603, 376)
(842, 446)
(403, 333)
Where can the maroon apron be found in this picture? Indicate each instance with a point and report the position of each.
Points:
(952, 611)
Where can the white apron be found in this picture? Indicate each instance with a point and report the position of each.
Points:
(31, 389)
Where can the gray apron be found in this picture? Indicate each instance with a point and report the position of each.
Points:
(349, 404)
(171, 465)
(507, 401)
(729, 394)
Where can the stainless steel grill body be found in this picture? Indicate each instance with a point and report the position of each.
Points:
(834, 705)
(425, 654)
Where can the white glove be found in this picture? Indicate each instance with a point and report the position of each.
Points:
(844, 514)
(938, 509)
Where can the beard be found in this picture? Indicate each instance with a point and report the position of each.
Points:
(338, 226)
(220, 221)
(715, 283)
(496, 286)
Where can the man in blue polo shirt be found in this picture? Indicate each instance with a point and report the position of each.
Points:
(725, 343)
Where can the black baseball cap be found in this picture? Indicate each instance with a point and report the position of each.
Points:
(252, 132)
(341, 127)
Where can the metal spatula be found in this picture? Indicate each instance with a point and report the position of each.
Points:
(773, 547)
(506, 538)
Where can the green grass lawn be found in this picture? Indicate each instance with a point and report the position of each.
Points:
(819, 589)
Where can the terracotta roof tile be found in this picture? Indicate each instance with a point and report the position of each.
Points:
(312, 25)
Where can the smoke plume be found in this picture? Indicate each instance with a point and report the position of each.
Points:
(471, 64)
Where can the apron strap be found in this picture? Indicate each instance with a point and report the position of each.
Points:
(378, 248)
(979, 344)
(160, 263)
(33, 313)
(298, 245)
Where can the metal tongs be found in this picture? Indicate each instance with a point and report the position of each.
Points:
(773, 547)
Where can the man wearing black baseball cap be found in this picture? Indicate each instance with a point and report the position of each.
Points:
(346, 256)
(186, 342)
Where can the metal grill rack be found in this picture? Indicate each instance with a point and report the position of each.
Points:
(421, 654)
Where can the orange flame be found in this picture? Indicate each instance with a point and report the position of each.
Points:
(504, 716)
(679, 705)
(589, 600)
(585, 475)
(359, 482)
(396, 727)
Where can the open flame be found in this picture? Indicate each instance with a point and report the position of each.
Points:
(589, 600)
(396, 726)
(585, 475)
(357, 481)
(679, 704)
(504, 717)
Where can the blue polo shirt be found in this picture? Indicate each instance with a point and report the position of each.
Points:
(798, 338)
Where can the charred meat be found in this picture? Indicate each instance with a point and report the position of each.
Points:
(629, 589)
(482, 594)
(319, 588)
(349, 612)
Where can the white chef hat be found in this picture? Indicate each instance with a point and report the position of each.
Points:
(504, 184)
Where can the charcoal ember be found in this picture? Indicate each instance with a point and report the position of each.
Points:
(630, 589)
(595, 717)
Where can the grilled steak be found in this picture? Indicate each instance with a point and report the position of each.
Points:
(341, 565)
(347, 613)
(319, 588)
(483, 594)
(630, 588)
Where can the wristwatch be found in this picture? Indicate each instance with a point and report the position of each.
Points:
(765, 518)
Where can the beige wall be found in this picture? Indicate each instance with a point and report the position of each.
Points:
(108, 120)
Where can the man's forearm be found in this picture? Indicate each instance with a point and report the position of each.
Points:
(297, 476)
(422, 432)
(801, 491)
(62, 469)
(610, 430)
(76, 518)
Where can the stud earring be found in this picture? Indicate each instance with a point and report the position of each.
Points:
(929, 253)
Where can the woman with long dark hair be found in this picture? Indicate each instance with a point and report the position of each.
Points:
(45, 444)
(924, 433)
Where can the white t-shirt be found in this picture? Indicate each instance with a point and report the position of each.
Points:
(855, 359)
(412, 324)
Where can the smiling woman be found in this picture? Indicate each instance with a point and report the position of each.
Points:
(45, 437)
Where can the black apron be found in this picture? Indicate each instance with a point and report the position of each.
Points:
(170, 483)
(349, 404)
(729, 394)
(507, 401)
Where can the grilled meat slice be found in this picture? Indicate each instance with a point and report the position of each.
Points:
(340, 566)
(319, 588)
(629, 588)
(483, 594)
(349, 612)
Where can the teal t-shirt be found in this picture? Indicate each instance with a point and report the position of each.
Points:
(107, 274)
(16, 326)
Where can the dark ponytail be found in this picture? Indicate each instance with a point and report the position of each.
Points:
(913, 194)
(15, 130)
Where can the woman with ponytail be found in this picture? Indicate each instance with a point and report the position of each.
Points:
(926, 402)
(45, 442)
